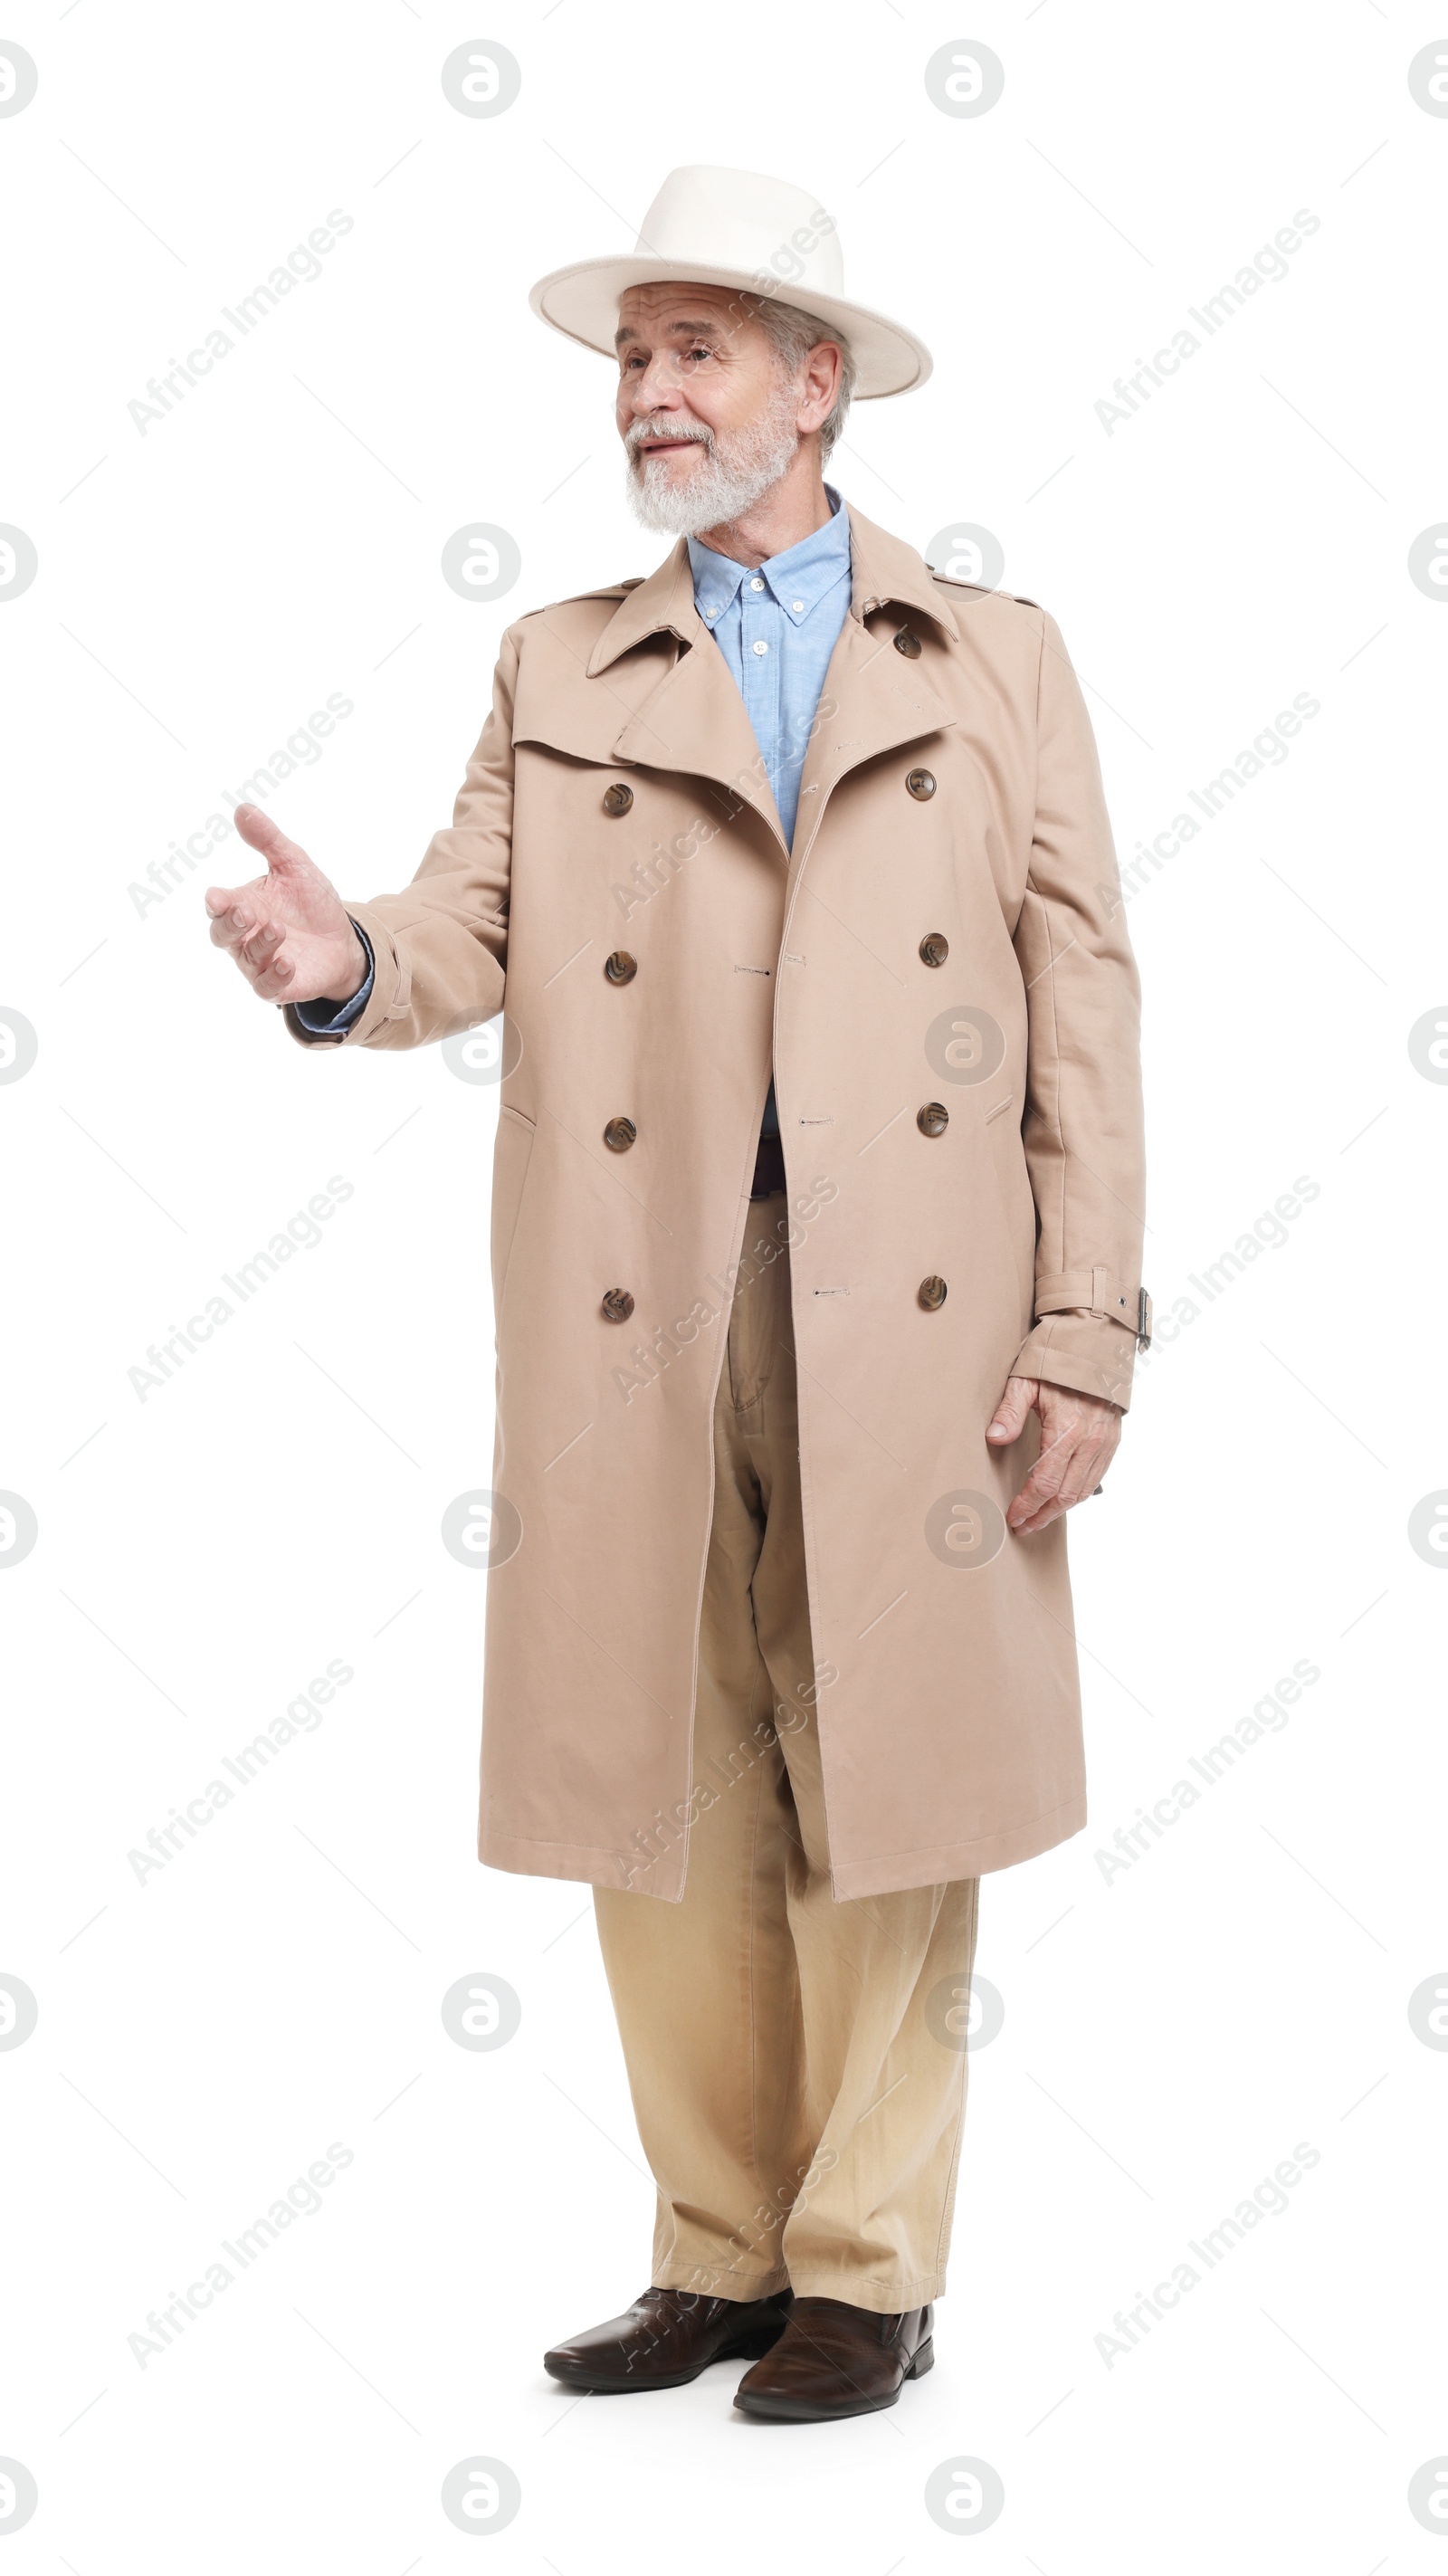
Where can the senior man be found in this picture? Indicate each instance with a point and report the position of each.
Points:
(816, 1225)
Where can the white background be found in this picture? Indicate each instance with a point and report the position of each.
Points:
(1172, 2033)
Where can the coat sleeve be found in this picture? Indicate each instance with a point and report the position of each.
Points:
(1082, 1124)
(441, 947)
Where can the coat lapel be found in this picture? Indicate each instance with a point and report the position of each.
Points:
(694, 720)
(871, 702)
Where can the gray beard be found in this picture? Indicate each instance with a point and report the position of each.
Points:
(731, 476)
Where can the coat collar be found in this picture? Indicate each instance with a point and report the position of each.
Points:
(888, 573)
(884, 572)
(694, 720)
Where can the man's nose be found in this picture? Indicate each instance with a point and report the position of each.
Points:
(656, 387)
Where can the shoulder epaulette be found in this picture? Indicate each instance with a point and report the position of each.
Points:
(949, 582)
(608, 590)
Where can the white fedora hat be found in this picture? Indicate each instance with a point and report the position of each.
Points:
(736, 228)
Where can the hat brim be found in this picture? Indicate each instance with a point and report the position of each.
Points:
(581, 301)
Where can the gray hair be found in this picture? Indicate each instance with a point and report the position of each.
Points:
(794, 333)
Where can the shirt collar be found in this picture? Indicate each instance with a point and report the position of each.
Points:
(884, 572)
(798, 579)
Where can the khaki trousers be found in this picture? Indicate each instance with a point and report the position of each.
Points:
(797, 2065)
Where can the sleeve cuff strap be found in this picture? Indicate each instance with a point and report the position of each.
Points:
(1104, 1293)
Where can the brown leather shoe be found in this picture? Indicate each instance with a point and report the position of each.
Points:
(833, 2359)
(665, 2339)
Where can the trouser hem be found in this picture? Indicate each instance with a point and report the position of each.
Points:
(882, 2298)
(721, 2280)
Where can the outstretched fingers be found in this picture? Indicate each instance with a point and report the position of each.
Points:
(270, 980)
(241, 927)
(237, 913)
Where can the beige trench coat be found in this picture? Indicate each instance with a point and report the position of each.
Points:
(948, 1696)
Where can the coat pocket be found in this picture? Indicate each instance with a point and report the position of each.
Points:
(512, 1153)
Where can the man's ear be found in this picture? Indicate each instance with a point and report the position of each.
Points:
(823, 373)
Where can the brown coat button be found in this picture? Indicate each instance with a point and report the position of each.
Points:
(617, 1305)
(617, 799)
(921, 783)
(620, 968)
(934, 948)
(619, 1134)
(908, 644)
(932, 1291)
(933, 1119)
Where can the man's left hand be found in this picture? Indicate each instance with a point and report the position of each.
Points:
(1079, 1436)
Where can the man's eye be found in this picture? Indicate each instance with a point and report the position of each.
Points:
(636, 358)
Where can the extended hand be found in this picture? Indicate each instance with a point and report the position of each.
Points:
(1079, 1436)
(287, 930)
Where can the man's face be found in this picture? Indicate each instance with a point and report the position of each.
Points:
(708, 415)
(689, 357)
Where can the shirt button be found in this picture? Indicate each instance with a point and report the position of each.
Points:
(617, 800)
(756, 583)
(619, 1134)
(934, 948)
(798, 606)
(620, 968)
(760, 646)
(933, 1119)
(617, 1305)
(932, 1292)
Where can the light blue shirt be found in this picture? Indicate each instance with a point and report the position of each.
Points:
(776, 628)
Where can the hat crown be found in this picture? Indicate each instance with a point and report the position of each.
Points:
(742, 219)
(743, 230)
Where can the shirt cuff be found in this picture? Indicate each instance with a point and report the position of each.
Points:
(330, 1019)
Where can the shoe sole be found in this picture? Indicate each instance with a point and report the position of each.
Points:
(799, 2410)
(596, 2384)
